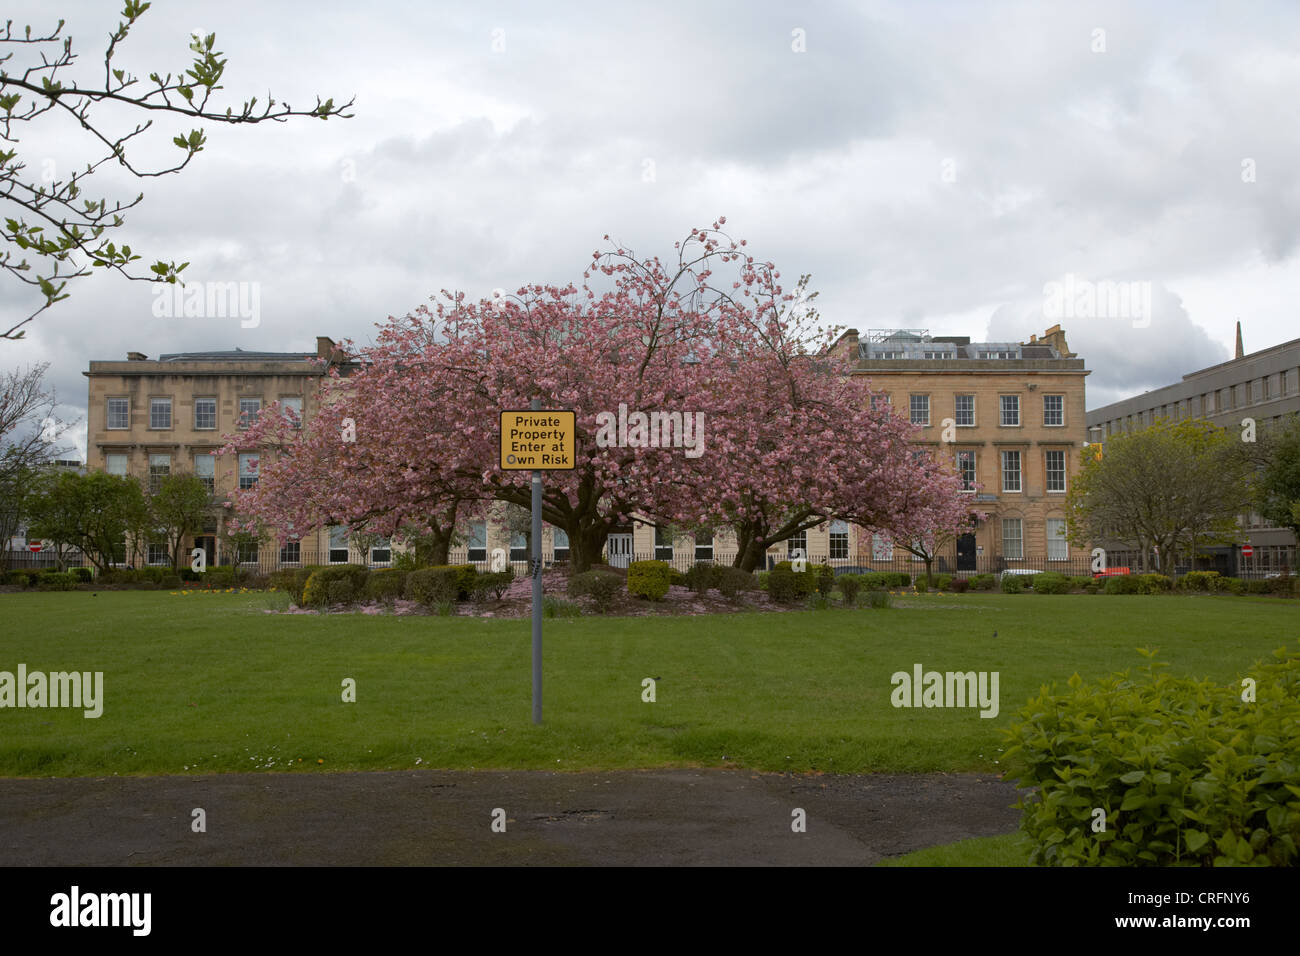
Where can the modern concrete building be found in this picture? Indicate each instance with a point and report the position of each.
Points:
(1263, 387)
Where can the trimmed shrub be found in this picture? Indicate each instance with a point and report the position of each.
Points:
(23, 577)
(1080, 582)
(676, 579)
(761, 578)
(433, 586)
(942, 581)
(648, 579)
(805, 581)
(783, 584)
(850, 585)
(1198, 580)
(321, 588)
(1012, 584)
(733, 581)
(983, 582)
(1155, 583)
(1186, 775)
(823, 579)
(1229, 585)
(386, 584)
(293, 581)
(699, 577)
(959, 585)
(1049, 582)
(84, 575)
(494, 583)
(1123, 584)
(1284, 585)
(56, 581)
(600, 586)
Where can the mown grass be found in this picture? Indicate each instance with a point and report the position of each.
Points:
(204, 683)
(1011, 849)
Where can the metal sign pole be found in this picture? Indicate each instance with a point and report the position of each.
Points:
(536, 569)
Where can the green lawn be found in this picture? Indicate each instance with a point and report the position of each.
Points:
(204, 683)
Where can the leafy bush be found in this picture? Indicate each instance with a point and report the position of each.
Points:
(901, 579)
(1186, 774)
(23, 577)
(879, 599)
(943, 581)
(336, 584)
(404, 561)
(221, 576)
(805, 581)
(676, 579)
(293, 581)
(56, 581)
(959, 585)
(1155, 583)
(823, 579)
(760, 578)
(84, 575)
(433, 586)
(1284, 585)
(983, 582)
(1123, 584)
(1229, 585)
(850, 585)
(648, 579)
(1012, 584)
(494, 583)
(600, 586)
(1049, 582)
(386, 584)
(699, 577)
(1080, 582)
(732, 581)
(783, 584)
(1198, 580)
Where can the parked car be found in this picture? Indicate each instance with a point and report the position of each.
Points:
(1018, 572)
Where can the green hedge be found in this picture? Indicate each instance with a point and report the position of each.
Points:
(1123, 584)
(600, 586)
(386, 584)
(494, 583)
(733, 581)
(648, 579)
(1185, 771)
(1012, 584)
(850, 586)
(1198, 580)
(336, 584)
(783, 584)
(56, 581)
(1049, 582)
(983, 582)
(434, 587)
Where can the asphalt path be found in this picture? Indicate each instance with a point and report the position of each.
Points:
(451, 818)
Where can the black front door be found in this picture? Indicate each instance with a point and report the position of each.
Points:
(966, 552)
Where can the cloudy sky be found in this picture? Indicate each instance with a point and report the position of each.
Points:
(932, 165)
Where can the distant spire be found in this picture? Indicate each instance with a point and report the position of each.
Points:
(1241, 352)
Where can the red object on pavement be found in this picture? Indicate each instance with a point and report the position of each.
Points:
(1247, 551)
(1112, 572)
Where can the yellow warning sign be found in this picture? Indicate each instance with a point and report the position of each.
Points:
(542, 440)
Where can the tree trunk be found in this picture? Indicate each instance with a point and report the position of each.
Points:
(586, 542)
(929, 577)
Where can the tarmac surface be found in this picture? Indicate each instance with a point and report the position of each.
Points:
(419, 818)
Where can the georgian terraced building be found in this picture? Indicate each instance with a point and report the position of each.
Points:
(1016, 410)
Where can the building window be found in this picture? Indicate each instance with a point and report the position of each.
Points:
(249, 409)
(1058, 549)
(1012, 544)
(119, 413)
(966, 468)
(157, 554)
(663, 544)
(1011, 471)
(999, 355)
(519, 546)
(839, 540)
(338, 545)
(938, 355)
(205, 413)
(882, 549)
(292, 408)
(880, 401)
(1056, 471)
(1010, 409)
(477, 542)
(205, 469)
(381, 552)
(246, 552)
(965, 411)
(116, 464)
(160, 413)
(799, 542)
(1053, 409)
(160, 466)
(247, 470)
(559, 544)
(704, 546)
(291, 552)
(919, 406)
